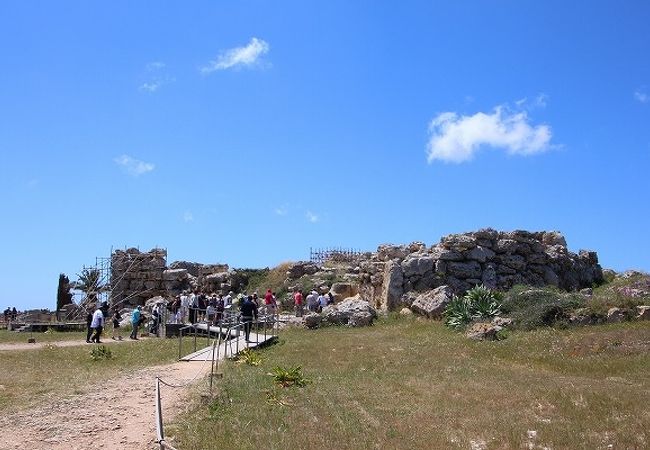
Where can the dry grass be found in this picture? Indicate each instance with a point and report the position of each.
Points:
(52, 336)
(32, 376)
(415, 384)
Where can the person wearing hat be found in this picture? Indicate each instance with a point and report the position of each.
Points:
(98, 323)
(135, 322)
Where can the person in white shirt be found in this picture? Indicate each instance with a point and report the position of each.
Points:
(322, 301)
(185, 304)
(312, 301)
(98, 323)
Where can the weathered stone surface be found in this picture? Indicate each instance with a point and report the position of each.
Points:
(553, 238)
(405, 312)
(417, 264)
(481, 331)
(502, 321)
(480, 254)
(505, 246)
(352, 311)
(643, 312)
(489, 277)
(469, 269)
(313, 320)
(433, 303)
(616, 315)
(175, 274)
(388, 252)
(459, 242)
(341, 291)
(300, 269)
(392, 286)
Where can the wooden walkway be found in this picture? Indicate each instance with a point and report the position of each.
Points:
(229, 347)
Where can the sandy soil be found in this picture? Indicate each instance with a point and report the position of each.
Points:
(119, 414)
(7, 346)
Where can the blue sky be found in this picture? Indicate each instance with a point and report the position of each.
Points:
(247, 132)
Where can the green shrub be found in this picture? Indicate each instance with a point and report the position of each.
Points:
(535, 307)
(478, 303)
(289, 377)
(101, 352)
(250, 357)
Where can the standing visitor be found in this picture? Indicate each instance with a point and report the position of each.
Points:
(89, 321)
(297, 301)
(220, 308)
(248, 310)
(322, 302)
(194, 302)
(98, 323)
(135, 322)
(269, 302)
(117, 318)
(185, 305)
(227, 300)
(330, 297)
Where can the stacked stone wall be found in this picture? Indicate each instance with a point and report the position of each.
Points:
(137, 276)
(496, 259)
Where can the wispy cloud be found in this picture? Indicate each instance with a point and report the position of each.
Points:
(312, 217)
(539, 101)
(641, 95)
(456, 138)
(156, 65)
(188, 216)
(281, 210)
(133, 166)
(246, 56)
(156, 77)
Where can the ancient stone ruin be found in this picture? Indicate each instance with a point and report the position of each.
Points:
(396, 275)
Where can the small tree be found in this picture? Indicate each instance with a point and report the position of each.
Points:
(90, 283)
(63, 295)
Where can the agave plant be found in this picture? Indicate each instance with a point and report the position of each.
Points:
(479, 302)
(458, 313)
(483, 302)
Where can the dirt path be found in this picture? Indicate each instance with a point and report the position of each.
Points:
(119, 414)
(8, 346)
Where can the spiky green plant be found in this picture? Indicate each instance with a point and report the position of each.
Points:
(477, 303)
(289, 377)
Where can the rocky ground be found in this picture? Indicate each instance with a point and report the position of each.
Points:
(114, 415)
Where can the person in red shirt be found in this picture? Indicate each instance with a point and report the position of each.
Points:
(297, 301)
(269, 302)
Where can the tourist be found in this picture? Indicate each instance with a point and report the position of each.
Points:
(312, 301)
(269, 302)
(210, 311)
(156, 314)
(89, 321)
(14, 314)
(98, 323)
(136, 317)
(297, 302)
(194, 303)
(117, 317)
(330, 297)
(227, 300)
(248, 310)
(220, 307)
(185, 305)
(256, 299)
(201, 305)
(322, 302)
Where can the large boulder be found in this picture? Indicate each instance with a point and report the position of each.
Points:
(341, 291)
(417, 265)
(301, 268)
(433, 303)
(643, 312)
(353, 311)
(393, 286)
(313, 320)
(482, 331)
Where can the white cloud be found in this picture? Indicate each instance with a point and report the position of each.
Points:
(156, 65)
(313, 218)
(238, 56)
(150, 87)
(133, 166)
(455, 138)
(281, 211)
(188, 217)
(641, 96)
